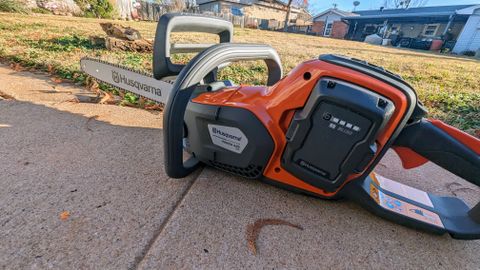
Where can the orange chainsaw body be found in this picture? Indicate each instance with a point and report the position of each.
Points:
(274, 107)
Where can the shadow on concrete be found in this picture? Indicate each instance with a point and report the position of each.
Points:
(108, 178)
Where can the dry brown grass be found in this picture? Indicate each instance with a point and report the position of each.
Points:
(449, 85)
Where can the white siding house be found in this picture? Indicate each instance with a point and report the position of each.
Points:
(469, 39)
(330, 16)
(328, 19)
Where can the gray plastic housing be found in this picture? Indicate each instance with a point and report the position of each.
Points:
(180, 22)
(185, 84)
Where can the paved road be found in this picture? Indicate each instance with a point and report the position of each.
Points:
(103, 165)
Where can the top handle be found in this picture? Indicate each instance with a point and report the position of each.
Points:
(186, 82)
(179, 22)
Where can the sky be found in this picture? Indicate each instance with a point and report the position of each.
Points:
(317, 6)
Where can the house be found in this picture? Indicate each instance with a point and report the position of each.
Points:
(259, 9)
(469, 38)
(417, 28)
(329, 23)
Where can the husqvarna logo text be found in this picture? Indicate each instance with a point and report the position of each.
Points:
(122, 79)
(115, 77)
(230, 138)
(224, 134)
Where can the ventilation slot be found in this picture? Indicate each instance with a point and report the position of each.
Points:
(252, 171)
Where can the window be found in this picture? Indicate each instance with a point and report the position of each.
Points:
(430, 30)
(371, 29)
(236, 11)
(328, 29)
(395, 28)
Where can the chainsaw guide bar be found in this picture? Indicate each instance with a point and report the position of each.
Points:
(124, 78)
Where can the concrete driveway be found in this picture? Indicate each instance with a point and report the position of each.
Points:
(83, 186)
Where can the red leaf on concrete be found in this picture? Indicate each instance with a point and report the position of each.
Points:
(253, 230)
(57, 80)
(17, 67)
(64, 215)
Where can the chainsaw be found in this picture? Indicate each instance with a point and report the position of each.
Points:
(319, 130)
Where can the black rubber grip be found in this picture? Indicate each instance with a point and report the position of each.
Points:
(438, 146)
(175, 167)
(182, 22)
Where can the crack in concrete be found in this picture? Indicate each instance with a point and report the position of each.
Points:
(140, 258)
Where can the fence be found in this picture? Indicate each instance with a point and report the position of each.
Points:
(152, 11)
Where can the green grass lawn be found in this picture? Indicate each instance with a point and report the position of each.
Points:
(448, 85)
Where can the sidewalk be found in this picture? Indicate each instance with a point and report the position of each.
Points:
(83, 186)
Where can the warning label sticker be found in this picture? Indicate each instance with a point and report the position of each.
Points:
(230, 138)
(401, 207)
(409, 210)
(405, 191)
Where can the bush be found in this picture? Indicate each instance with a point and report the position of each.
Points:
(96, 8)
(12, 6)
(469, 53)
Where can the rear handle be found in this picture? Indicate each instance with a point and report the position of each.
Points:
(444, 145)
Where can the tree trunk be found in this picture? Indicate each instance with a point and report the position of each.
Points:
(121, 32)
(287, 17)
(116, 44)
(122, 38)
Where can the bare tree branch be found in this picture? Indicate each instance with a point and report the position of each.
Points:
(295, 3)
(404, 3)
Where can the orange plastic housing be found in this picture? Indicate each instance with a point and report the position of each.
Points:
(274, 106)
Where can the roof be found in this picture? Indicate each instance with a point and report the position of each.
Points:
(469, 11)
(249, 3)
(337, 11)
(213, 1)
(409, 12)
